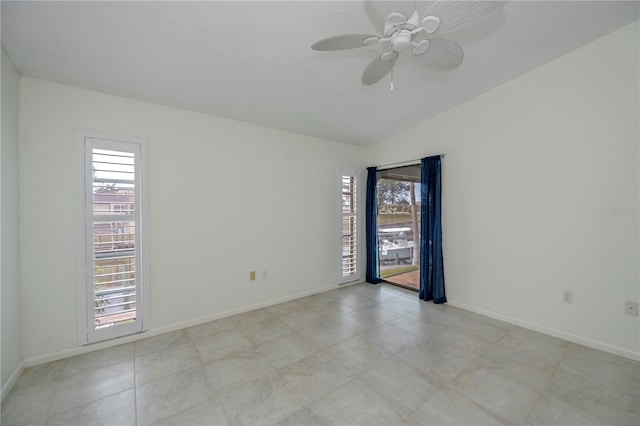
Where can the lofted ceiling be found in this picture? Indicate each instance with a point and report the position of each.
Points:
(252, 61)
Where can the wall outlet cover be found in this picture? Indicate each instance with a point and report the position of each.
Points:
(631, 308)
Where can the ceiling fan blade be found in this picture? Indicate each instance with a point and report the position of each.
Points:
(382, 8)
(442, 55)
(457, 15)
(343, 42)
(377, 69)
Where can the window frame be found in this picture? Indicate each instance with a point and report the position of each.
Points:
(87, 334)
(355, 174)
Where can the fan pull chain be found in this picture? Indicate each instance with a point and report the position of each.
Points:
(391, 87)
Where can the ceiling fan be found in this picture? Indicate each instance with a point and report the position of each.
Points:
(402, 32)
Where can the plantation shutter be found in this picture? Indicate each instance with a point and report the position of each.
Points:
(113, 223)
(349, 212)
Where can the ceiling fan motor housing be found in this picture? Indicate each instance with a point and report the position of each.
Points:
(401, 41)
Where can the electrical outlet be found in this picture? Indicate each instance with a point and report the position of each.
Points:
(567, 296)
(631, 308)
(252, 276)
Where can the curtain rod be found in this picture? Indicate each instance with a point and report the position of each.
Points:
(414, 162)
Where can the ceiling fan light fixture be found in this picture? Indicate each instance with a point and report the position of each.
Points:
(387, 56)
(371, 41)
(421, 47)
(430, 24)
(396, 18)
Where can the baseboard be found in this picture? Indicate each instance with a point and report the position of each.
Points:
(79, 350)
(12, 381)
(616, 350)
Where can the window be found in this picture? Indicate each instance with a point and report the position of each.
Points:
(113, 275)
(349, 259)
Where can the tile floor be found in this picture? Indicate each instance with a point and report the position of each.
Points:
(360, 355)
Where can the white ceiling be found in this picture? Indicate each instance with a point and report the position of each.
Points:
(251, 60)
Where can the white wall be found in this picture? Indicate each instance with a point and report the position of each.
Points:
(226, 197)
(10, 292)
(532, 170)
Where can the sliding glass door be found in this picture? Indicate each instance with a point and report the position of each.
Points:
(398, 221)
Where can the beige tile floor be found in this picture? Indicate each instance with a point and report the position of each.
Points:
(360, 355)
